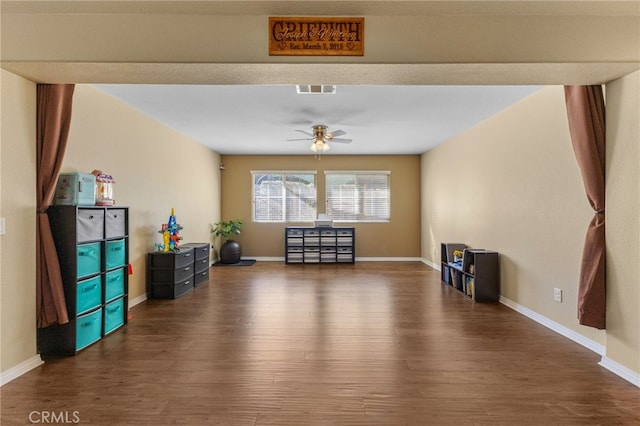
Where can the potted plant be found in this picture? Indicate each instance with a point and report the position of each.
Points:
(230, 250)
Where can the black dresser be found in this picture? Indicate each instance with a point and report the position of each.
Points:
(175, 273)
(201, 253)
(170, 274)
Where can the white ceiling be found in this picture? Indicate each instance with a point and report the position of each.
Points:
(381, 120)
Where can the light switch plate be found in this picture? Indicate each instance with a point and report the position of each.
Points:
(1, 225)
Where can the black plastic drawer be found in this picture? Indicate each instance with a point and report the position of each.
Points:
(172, 259)
(200, 250)
(171, 291)
(201, 277)
(201, 265)
(171, 275)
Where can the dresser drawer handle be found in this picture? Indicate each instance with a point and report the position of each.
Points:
(88, 323)
(187, 268)
(88, 289)
(116, 248)
(187, 254)
(114, 310)
(86, 252)
(187, 283)
(114, 279)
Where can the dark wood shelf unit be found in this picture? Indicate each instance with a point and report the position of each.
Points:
(477, 275)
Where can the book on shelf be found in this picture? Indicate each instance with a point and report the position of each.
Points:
(469, 286)
(446, 274)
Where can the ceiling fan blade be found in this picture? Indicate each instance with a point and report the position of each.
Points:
(305, 132)
(341, 140)
(301, 139)
(337, 133)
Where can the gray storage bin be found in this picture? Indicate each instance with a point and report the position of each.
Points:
(115, 223)
(90, 224)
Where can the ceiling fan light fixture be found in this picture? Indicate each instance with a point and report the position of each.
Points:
(319, 146)
(321, 137)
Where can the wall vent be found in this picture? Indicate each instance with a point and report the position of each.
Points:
(315, 89)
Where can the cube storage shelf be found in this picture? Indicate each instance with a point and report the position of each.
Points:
(477, 275)
(320, 244)
(93, 248)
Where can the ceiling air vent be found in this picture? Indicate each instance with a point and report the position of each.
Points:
(315, 89)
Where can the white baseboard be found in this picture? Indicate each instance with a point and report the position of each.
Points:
(388, 259)
(617, 369)
(358, 259)
(137, 300)
(20, 369)
(552, 325)
(620, 370)
(430, 263)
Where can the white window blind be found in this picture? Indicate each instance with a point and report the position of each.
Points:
(284, 196)
(362, 196)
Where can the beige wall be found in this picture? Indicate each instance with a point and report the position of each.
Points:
(398, 238)
(18, 207)
(441, 42)
(623, 221)
(512, 184)
(155, 169)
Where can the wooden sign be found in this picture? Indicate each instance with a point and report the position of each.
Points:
(316, 36)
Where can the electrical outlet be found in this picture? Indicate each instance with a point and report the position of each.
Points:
(2, 226)
(557, 295)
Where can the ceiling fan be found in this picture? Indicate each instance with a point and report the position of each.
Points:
(321, 137)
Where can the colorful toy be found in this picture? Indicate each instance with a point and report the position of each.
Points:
(170, 234)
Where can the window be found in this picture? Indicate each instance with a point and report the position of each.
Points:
(358, 196)
(284, 196)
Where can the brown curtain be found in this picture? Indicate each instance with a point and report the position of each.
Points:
(585, 109)
(53, 120)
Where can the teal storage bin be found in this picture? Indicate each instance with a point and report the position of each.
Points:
(113, 315)
(88, 329)
(88, 259)
(115, 254)
(89, 294)
(114, 284)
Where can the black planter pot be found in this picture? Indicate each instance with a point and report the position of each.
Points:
(230, 252)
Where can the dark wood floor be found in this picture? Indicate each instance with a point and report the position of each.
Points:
(366, 344)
